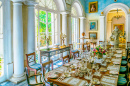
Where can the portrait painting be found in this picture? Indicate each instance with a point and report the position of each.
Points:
(93, 25)
(120, 27)
(93, 7)
(92, 35)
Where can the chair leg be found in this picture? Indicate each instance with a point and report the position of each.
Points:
(28, 72)
(74, 55)
(70, 54)
(36, 76)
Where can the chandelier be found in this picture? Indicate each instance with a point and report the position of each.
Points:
(118, 16)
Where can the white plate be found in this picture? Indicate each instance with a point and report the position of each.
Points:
(53, 76)
(67, 65)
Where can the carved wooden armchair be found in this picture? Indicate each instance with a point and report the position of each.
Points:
(31, 64)
(28, 78)
(128, 48)
(65, 59)
(46, 67)
(73, 52)
(101, 42)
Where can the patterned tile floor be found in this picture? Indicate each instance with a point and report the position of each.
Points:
(24, 83)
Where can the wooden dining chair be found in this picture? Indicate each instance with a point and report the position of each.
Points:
(31, 64)
(109, 46)
(128, 48)
(73, 52)
(46, 67)
(28, 78)
(65, 59)
(101, 42)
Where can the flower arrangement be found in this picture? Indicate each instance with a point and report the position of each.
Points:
(63, 36)
(99, 51)
(47, 41)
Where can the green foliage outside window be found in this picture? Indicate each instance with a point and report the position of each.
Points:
(42, 29)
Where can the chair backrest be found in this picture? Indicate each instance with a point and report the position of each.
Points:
(101, 42)
(46, 69)
(46, 66)
(30, 59)
(65, 59)
(28, 78)
(128, 44)
(71, 46)
(110, 46)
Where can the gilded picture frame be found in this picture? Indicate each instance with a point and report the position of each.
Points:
(93, 25)
(120, 26)
(93, 35)
(93, 7)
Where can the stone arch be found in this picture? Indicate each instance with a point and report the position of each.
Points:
(60, 5)
(126, 11)
(79, 8)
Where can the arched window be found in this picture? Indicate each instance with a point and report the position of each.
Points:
(46, 23)
(1, 41)
(75, 23)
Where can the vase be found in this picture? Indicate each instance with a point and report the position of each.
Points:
(104, 56)
(100, 56)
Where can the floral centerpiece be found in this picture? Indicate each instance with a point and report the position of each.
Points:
(99, 51)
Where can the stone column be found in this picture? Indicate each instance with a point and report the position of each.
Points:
(64, 27)
(31, 28)
(127, 28)
(19, 74)
(82, 29)
(102, 28)
(69, 29)
(109, 29)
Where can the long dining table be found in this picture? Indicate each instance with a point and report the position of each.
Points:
(98, 73)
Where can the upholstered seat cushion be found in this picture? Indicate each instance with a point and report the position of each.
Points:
(122, 69)
(123, 62)
(36, 66)
(124, 57)
(122, 81)
(122, 75)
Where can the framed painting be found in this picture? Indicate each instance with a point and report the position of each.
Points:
(92, 35)
(120, 27)
(93, 25)
(93, 7)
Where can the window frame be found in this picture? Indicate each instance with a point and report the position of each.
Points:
(1, 10)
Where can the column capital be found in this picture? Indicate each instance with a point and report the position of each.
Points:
(82, 17)
(65, 13)
(102, 16)
(109, 21)
(30, 3)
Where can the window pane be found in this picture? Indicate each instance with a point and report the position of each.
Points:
(42, 41)
(42, 16)
(50, 36)
(42, 27)
(49, 17)
(49, 28)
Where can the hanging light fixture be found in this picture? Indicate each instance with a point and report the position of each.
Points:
(117, 16)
